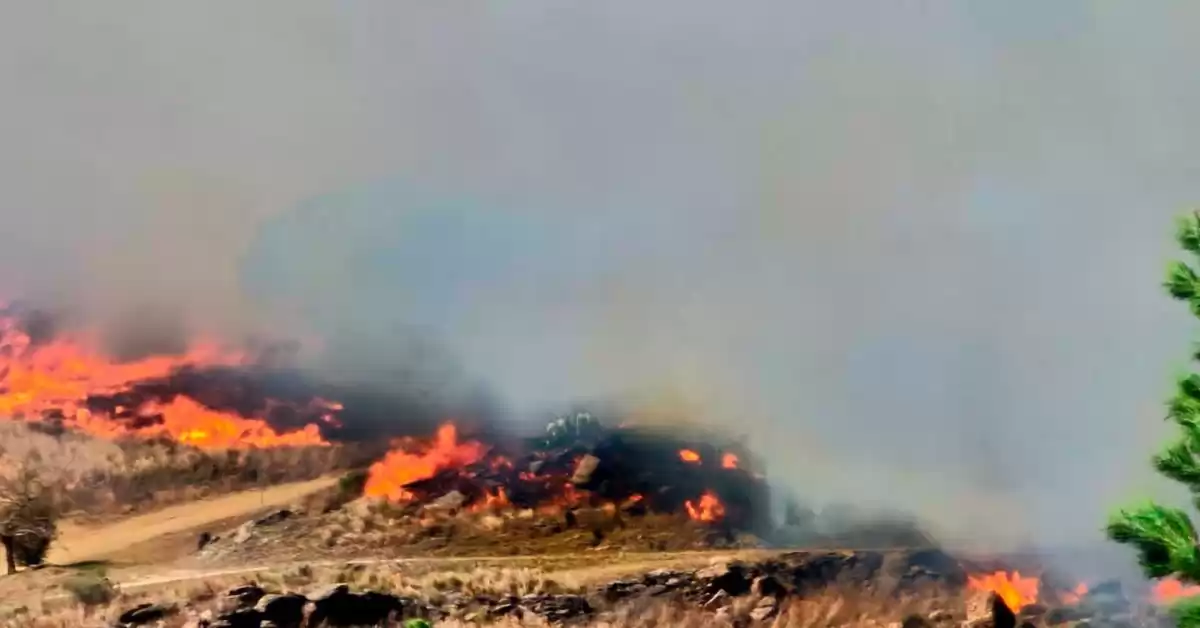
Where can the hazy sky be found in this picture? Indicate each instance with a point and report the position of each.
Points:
(912, 248)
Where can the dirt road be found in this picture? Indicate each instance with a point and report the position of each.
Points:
(88, 543)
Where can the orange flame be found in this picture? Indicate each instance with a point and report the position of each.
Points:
(401, 466)
(707, 509)
(688, 455)
(493, 501)
(61, 374)
(1171, 590)
(1075, 595)
(1016, 591)
(729, 461)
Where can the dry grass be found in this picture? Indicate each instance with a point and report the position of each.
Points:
(108, 478)
(842, 605)
(839, 606)
(381, 530)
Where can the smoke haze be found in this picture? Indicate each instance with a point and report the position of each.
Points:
(910, 249)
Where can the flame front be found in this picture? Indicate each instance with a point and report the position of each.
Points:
(708, 508)
(687, 455)
(729, 461)
(402, 465)
(1171, 590)
(58, 377)
(1016, 591)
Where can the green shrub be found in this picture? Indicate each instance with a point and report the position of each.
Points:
(91, 589)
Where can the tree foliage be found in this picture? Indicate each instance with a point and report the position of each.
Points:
(1164, 537)
(28, 517)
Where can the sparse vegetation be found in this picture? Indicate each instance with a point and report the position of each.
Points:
(841, 606)
(91, 589)
(104, 478)
(28, 516)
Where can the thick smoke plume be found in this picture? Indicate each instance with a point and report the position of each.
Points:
(911, 251)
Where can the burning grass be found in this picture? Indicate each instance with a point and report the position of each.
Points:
(66, 381)
(209, 420)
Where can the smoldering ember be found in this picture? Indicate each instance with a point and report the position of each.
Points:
(415, 483)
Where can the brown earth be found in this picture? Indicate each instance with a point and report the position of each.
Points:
(171, 526)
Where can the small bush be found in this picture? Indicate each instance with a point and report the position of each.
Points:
(351, 485)
(28, 515)
(91, 589)
(30, 549)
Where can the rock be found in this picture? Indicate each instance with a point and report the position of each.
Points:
(491, 523)
(1064, 614)
(285, 611)
(978, 608)
(240, 618)
(145, 613)
(623, 589)
(1106, 598)
(916, 621)
(340, 607)
(204, 540)
(1002, 615)
(817, 571)
(246, 596)
(559, 608)
(768, 586)
(244, 533)
(1030, 611)
(276, 517)
(585, 469)
(731, 578)
(450, 501)
(915, 568)
(336, 590)
(941, 615)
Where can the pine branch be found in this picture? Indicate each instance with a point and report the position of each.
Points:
(1181, 281)
(1178, 462)
(1184, 405)
(1164, 538)
(1187, 232)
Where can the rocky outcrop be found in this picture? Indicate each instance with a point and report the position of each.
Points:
(748, 591)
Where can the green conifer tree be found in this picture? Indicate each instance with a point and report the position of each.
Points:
(1164, 537)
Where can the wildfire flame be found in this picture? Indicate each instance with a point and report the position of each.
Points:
(690, 456)
(57, 377)
(402, 465)
(1016, 591)
(1171, 590)
(493, 501)
(708, 508)
(729, 461)
(1075, 595)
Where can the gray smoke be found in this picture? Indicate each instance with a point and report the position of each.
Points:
(911, 249)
